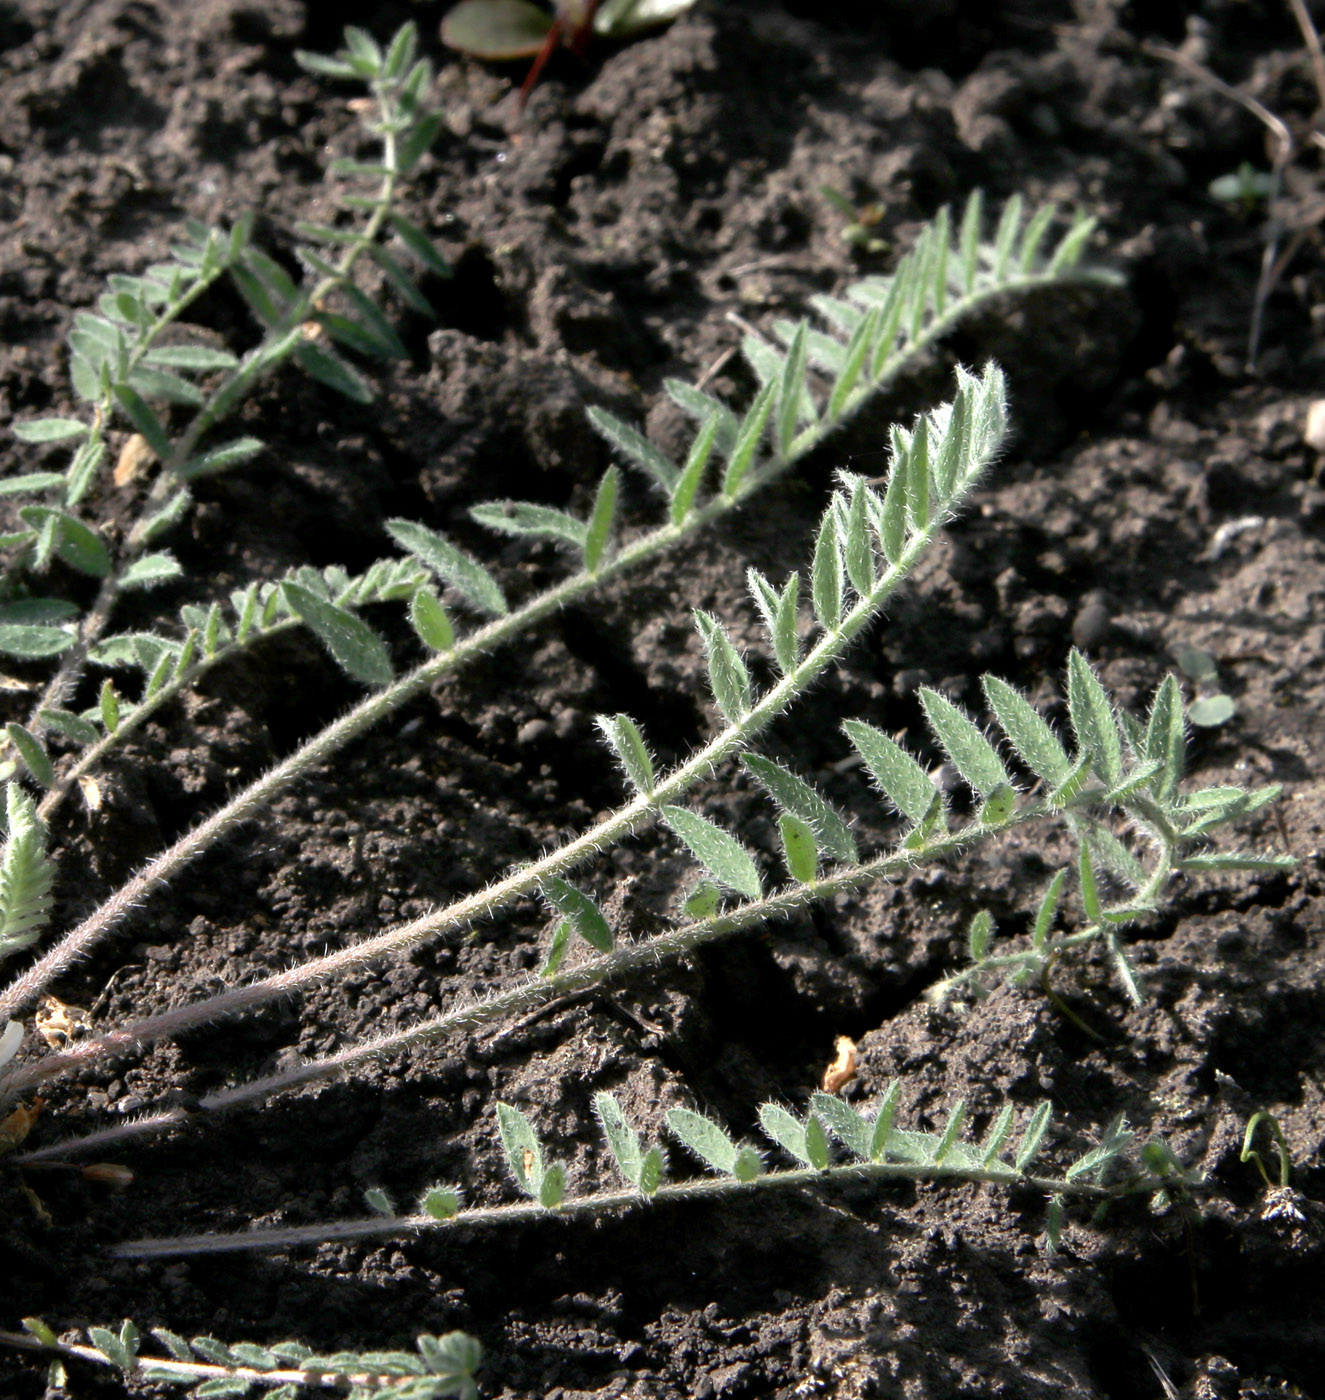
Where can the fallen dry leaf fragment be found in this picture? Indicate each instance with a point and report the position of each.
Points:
(111, 1173)
(15, 1128)
(134, 460)
(843, 1069)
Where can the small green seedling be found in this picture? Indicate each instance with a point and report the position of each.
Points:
(1243, 188)
(500, 30)
(856, 232)
(1209, 710)
(1249, 1153)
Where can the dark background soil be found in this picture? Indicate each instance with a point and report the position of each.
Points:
(598, 246)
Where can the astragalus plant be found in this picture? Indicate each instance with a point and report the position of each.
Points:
(1115, 785)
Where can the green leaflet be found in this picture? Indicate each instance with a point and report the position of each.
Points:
(622, 1139)
(728, 678)
(526, 518)
(33, 753)
(702, 407)
(974, 757)
(826, 575)
(781, 613)
(78, 545)
(1035, 743)
(796, 796)
(683, 498)
(806, 1142)
(430, 622)
(353, 645)
(748, 437)
(800, 851)
(33, 643)
(583, 915)
(524, 1153)
(1093, 720)
(49, 430)
(720, 853)
(149, 570)
(622, 733)
(637, 448)
(704, 1138)
(599, 529)
(899, 777)
(469, 578)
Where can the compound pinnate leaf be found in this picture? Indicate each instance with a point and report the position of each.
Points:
(720, 853)
(26, 877)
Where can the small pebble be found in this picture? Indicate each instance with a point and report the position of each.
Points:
(1091, 625)
(1314, 432)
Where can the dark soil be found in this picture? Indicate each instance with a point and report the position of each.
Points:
(599, 246)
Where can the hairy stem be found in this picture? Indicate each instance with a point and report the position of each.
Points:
(704, 1188)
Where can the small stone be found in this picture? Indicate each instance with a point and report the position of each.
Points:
(1314, 433)
(1091, 625)
(532, 732)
